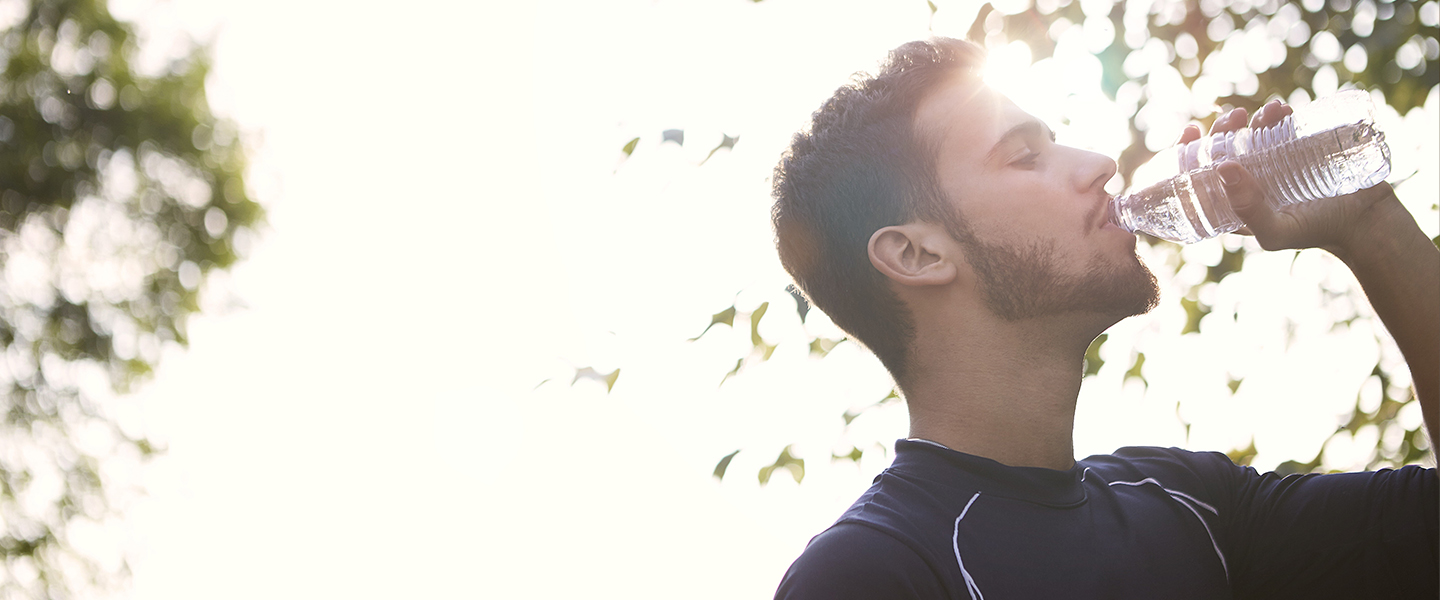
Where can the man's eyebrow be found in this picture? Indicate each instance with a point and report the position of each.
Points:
(1028, 128)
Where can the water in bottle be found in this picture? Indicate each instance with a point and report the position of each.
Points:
(1327, 148)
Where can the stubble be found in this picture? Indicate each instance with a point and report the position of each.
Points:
(1025, 281)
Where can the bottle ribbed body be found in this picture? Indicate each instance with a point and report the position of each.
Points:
(1328, 148)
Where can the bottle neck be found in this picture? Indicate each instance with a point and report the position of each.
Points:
(1116, 216)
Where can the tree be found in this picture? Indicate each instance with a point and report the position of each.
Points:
(119, 192)
(1209, 53)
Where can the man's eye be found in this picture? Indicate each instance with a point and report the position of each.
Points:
(1028, 160)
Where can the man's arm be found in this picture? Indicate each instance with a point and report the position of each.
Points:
(1374, 235)
(1399, 268)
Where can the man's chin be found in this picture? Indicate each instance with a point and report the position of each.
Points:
(1142, 295)
(1025, 282)
(1122, 293)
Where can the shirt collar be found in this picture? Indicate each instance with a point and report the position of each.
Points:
(927, 459)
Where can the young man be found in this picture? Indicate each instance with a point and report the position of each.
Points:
(943, 228)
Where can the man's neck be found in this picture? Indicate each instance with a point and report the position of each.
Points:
(1001, 390)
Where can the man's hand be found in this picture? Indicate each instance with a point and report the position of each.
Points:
(1396, 264)
(1333, 223)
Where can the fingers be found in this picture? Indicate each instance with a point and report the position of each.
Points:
(1191, 133)
(1267, 116)
(1246, 199)
(1271, 114)
(1231, 121)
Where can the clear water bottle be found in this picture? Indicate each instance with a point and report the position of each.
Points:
(1327, 148)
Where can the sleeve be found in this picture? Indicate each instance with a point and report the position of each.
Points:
(853, 561)
(1351, 535)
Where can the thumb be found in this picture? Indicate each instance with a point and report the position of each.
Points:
(1246, 198)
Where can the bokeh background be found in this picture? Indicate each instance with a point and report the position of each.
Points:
(479, 300)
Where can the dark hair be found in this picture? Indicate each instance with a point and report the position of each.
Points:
(861, 166)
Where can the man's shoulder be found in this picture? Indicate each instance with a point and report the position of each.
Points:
(1135, 463)
(1161, 455)
(893, 542)
(854, 559)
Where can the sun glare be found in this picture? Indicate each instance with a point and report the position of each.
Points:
(1008, 70)
(1063, 91)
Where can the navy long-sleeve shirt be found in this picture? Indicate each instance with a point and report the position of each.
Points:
(1143, 523)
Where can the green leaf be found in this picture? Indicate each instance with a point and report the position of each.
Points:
(1092, 355)
(1234, 385)
(976, 33)
(733, 372)
(821, 347)
(787, 461)
(755, 316)
(761, 346)
(1243, 456)
(725, 317)
(1292, 467)
(1194, 311)
(591, 374)
(1135, 370)
(724, 464)
(851, 415)
(853, 455)
(726, 142)
(1230, 262)
(629, 147)
(802, 306)
(932, 7)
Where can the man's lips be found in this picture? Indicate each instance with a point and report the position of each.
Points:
(1108, 217)
(1099, 215)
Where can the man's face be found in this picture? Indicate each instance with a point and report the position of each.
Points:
(1034, 224)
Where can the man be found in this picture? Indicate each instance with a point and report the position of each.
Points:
(943, 228)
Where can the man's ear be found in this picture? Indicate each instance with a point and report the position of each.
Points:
(915, 254)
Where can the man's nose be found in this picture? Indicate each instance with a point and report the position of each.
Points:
(1093, 171)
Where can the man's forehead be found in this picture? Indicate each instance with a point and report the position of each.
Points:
(967, 116)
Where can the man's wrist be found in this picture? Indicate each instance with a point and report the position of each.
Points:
(1384, 230)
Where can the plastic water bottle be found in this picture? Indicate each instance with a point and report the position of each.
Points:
(1327, 148)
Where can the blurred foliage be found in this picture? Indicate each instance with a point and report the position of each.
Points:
(590, 374)
(1093, 362)
(724, 464)
(119, 192)
(678, 137)
(1308, 45)
(849, 416)
(1240, 53)
(761, 350)
(786, 461)
(726, 143)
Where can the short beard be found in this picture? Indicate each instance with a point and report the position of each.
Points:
(1026, 282)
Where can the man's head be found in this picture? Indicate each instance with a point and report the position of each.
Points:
(1029, 215)
(921, 145)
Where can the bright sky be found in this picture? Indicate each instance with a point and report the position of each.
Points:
(451, 223)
